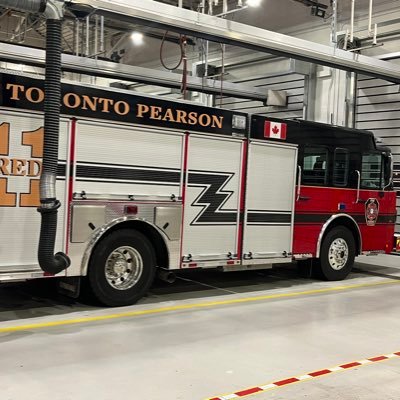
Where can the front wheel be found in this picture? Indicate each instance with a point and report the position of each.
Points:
(337, 254)
(122, 268)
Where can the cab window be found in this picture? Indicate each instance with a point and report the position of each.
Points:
(371, 171)
(341, 167)
(315, 164)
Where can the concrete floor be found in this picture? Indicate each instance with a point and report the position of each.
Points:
(296, 326)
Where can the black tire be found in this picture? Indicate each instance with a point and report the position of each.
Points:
(102, 289)
(328, 267)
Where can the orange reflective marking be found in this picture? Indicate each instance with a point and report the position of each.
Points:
(31, 199)
(4, 138)
(35, 139)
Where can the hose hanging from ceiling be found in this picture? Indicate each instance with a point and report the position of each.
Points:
(182, 60)
(48, 209)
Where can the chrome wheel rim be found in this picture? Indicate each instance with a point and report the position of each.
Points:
(338, 254)
(124, 267)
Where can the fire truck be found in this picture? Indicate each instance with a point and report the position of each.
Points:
(152, 186)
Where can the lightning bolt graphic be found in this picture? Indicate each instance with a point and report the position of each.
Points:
(212, 198)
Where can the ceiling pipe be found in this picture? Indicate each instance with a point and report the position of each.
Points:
(50, 9)
(87, 47)
(334, 23)
(370, 18)
(53, 11)
(352, 21)
(102, 46)
(224, 6)
(29, 6)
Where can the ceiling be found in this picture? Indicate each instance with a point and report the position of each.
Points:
(279, 15)
(275, 15)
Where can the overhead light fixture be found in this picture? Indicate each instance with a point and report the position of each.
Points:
(317, 9)
(137, 38)
(253, 3)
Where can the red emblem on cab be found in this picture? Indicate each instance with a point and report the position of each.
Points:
(371, 211)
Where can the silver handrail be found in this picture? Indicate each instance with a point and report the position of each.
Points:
(298, 183)
(358, 185)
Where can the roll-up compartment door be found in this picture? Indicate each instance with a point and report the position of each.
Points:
(269, 210)
(211, 211)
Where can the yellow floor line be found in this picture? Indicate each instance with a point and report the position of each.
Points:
(73, 321)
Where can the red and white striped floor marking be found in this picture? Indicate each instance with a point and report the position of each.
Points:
(306, 377)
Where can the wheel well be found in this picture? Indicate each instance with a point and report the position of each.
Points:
(350, 225)
(151, 233)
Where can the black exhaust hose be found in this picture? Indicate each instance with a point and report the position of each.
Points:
(50, 263)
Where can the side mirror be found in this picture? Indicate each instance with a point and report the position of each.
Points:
(388, 173)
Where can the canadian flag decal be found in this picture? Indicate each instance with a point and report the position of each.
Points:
(275, 130)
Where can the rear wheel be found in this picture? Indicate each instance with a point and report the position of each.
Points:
(122, 268)
(337, 254)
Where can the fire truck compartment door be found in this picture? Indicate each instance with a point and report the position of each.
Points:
(211, 213)
(21, 152)
(269, 205)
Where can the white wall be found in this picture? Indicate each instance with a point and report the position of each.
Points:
(334, 96)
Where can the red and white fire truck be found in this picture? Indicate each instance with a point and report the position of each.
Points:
(150, 186)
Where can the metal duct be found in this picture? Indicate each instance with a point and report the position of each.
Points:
(49, 204)
(30, 6)
(51, 9)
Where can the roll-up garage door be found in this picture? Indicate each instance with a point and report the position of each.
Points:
(378, 110)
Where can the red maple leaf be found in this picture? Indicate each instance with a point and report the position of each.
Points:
(275, 130)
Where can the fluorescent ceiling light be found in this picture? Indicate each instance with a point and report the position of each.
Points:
(253, 3)
(137, 38)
